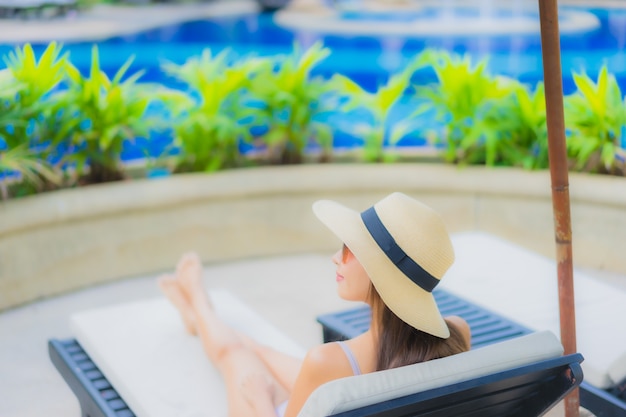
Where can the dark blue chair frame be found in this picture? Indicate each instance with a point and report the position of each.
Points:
(525, 391)
(96, 396)
(14, 9)
(487, 328)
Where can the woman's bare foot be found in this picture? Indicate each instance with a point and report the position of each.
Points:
(172, 290)
(189, 277)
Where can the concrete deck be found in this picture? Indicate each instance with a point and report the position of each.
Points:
(287, 291)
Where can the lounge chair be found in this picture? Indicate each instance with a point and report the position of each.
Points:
(487, 328)
(36, 8)
(521, 376)
(272, 5)
(18, 8)
(524, 376)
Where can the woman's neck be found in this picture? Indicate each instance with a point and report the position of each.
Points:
(375, 323)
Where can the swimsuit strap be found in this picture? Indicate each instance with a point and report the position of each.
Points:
(353, 363)
(280, 409)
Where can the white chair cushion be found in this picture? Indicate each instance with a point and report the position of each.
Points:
(522, 286)
(157, 368)
(358, 391)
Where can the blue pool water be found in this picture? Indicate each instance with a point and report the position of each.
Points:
(369, 59)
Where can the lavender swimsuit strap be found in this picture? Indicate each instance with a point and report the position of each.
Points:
(353, 363)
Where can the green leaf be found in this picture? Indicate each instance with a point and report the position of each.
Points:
(346, 85)
(401, 129)
(608, 156)
(122, 70)
(27, 163)
(323, 135)
(275, 136)
(389, 94)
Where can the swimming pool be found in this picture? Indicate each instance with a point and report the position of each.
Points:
(509, 37)
(517, 54)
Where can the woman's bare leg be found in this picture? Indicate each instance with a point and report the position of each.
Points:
(235, 361)
(217, 337)
(169, 286)
(284, 367)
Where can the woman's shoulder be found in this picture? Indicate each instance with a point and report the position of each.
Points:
(324, 355)
(331, 358)
(326, 362)
(322, 363)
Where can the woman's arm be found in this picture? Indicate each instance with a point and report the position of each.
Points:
(323, 363)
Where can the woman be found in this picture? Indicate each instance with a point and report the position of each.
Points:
(393, 255)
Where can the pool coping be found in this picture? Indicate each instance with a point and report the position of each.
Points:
(105, 21)
(330, 21)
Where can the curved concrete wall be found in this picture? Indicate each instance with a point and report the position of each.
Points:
(61, 241)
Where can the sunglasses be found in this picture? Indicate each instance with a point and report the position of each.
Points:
(345, 253)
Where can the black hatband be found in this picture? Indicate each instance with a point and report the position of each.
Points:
(388, 245)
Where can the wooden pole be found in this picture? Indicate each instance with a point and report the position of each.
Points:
(551, 50)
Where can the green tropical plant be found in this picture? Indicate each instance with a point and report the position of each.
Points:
(510, 130)
(27, 96)
(529, 133)
(104, 113)
(379, 105)
(28, 167)
(29, 124)
(595, 118)
(465, 99)
(292, 103)
(211, 120)
(41, 75)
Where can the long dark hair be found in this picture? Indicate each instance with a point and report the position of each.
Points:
(400, 344)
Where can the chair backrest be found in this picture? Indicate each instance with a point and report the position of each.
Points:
(525, 356)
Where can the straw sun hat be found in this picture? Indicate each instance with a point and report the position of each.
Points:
(404, 247)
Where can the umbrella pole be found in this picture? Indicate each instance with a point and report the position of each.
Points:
(551, 50)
